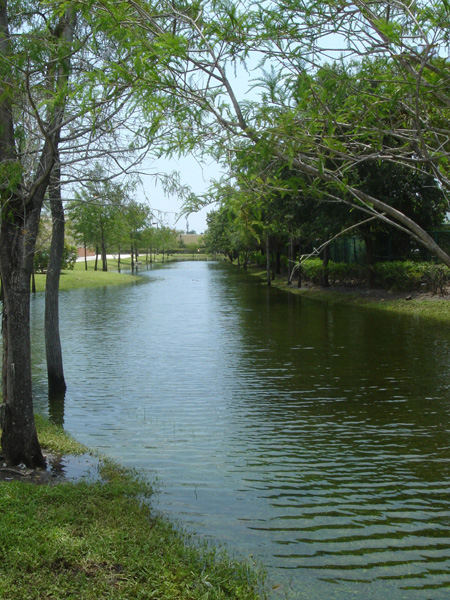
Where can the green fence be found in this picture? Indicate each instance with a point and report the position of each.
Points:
(350, 250)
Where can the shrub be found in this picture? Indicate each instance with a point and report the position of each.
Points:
(42, 257)
(435, 277)
(400, 276)
(338, 273)
(408, 276)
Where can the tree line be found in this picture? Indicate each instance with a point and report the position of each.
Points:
(345, 99)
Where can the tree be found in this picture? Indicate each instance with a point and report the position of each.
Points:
(402, 91)
(35, 68)
(21, 202)
(96, 214)
(55, 369)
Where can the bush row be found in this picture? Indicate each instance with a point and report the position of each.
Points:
(398, 276)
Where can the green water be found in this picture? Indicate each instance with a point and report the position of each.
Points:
(311, 437)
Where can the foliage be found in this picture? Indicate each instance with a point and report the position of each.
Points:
(410, 275)
(380, 95)
(436, 278)
(42, 257)
(338, 273)
(399, 276)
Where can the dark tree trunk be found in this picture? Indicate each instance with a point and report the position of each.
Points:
(55, 371)
(18, 236)
(368, 242)
(19, 226)
(272, 257)
(290, 260)
(103, 246)
(85, 257)
(278, 262)
(96, 258)
(268, 260)
(299, 282)
(326, 258)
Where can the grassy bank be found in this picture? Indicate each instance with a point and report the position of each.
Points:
(101, 540)
(423, 305)
(160, 259)
(80, 278)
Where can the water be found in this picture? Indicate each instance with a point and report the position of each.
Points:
(312, 437)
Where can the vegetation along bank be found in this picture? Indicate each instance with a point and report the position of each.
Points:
(412, 302)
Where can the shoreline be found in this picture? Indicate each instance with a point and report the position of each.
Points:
(424, 305)
(98, 536)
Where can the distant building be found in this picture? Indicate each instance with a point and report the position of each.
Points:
(190, 238)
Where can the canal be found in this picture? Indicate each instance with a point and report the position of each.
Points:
(313, 438)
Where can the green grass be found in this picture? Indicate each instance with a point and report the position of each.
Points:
(98, 541)
(80, 278)
(56, 440)
(158, 258)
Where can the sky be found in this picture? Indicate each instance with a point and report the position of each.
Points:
(167, 208)
(194, 174)
(199, 176)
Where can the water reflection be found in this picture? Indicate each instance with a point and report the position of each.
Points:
(312, 436)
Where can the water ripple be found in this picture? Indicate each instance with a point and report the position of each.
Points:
(314, 438)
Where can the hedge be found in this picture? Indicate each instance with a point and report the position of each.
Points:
(400, 276)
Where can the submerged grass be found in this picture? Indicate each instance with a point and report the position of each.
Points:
(57, 440)
(101, 540)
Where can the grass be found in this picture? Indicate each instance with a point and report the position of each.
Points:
(57, 440)
(159, 259)
(432, 308)
(80, 278)
(101, 540)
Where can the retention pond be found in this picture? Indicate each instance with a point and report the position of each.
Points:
(312, 437)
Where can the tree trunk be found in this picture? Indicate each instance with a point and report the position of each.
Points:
(268, 261)
(55, 371)
(326, 258)
(272, 258)
(103, 246)
(278, 262)
(19, 438)
(21, 211)
(299, 282)
(368, 242)
(290, 260)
